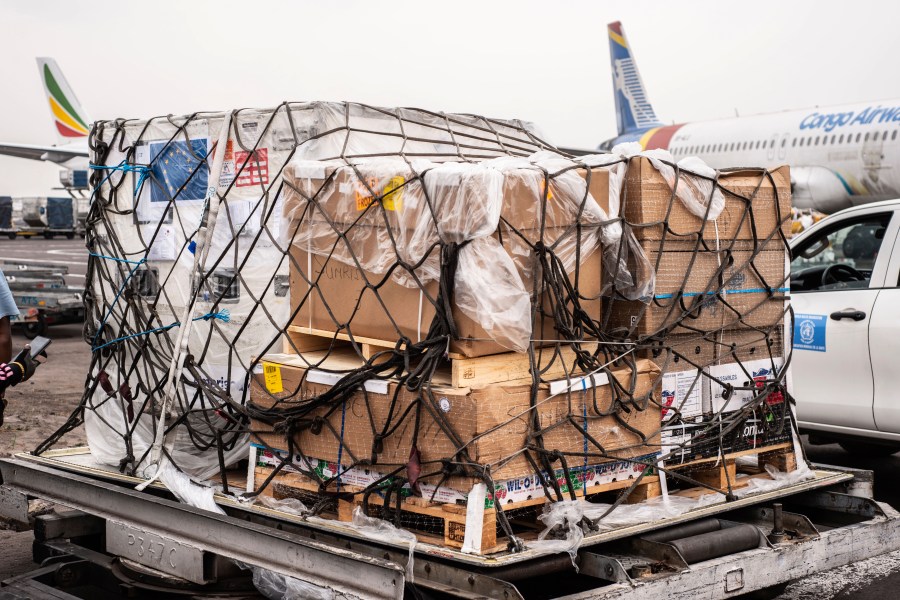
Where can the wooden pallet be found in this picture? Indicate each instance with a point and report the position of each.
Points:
(460, 372)
(445, 524)
(720, 473)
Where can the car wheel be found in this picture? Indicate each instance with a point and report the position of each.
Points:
(869, 449)
(33, 329)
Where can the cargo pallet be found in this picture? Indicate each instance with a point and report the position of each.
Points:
(444, 524)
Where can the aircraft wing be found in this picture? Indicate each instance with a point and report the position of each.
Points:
(49, 153)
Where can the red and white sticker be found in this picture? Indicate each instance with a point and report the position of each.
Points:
(255, 167)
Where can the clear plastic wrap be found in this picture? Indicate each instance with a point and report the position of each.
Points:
(390, 215)
(276, 586)
(490, 291)
(379, 529)
(564, 520)
(694, 185)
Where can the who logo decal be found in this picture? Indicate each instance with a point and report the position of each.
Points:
(809, 332)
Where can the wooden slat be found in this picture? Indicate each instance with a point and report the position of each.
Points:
(453, 515)
(511, 366)
(733, 455)
(463, 372)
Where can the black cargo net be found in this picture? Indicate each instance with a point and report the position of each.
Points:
(392, 306)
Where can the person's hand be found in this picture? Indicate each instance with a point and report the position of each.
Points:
(30, 363)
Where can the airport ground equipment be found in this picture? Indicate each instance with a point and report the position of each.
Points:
(6, 217)
(42, 296)
(47, 217)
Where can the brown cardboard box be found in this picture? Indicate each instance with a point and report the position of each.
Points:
(492, 423)
(681, 350)
(682, 269)
(685, 361)
(343, 297)
(375, 306)
(647, 197)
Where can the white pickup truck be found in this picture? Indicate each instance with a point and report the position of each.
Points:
(845, 291)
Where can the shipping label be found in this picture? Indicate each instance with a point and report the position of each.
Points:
(391, 194)
(748, 374)
(252, 166)
(683, 391)
(272, 375)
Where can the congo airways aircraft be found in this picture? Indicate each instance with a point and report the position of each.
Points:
(839, 156)
(72, 129)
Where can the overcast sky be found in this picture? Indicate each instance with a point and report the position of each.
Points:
(547, 62)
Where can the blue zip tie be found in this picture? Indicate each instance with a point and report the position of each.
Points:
(222, 315)
(136, 263)
(124, 167)
(584, 413)
(725, 291)
(121, 260)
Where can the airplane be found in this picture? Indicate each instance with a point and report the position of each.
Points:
(72, 130)
(840, 156)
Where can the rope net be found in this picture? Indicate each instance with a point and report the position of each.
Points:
(389, 307)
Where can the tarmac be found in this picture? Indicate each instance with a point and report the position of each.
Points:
(45, 402)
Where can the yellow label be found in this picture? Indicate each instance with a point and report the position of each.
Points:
(391, 195)
(543, 186)
(272, 373)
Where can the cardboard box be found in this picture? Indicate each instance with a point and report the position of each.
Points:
(647, 198)
(343, 299)
(745, 375)
(768, 425)
(683, 357)
(347, 298)
(492, 423)
(706, 291)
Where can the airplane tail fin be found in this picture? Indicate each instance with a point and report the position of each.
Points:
(633, 109)
(72, 123)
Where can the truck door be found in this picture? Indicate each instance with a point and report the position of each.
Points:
(884, 348)
(836, 275)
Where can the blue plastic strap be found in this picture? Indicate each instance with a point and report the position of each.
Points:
(222, 315)
(124, 167)
(341, 443)
(746, 291)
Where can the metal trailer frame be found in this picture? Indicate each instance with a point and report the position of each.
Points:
(353, 567)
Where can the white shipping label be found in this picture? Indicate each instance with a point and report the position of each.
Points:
(739, 375)
(683, 391)
(163, 246)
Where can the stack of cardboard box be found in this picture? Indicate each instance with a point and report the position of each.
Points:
(717, 308)
(456, 432)
(717, 315)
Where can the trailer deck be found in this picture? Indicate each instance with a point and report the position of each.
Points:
(840, 529)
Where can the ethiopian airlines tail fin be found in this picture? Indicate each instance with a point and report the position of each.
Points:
(72, 123)
(633, 110)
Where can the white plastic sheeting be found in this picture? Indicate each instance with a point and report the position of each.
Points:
(566, 516)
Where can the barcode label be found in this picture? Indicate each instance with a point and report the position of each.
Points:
(272, 374)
